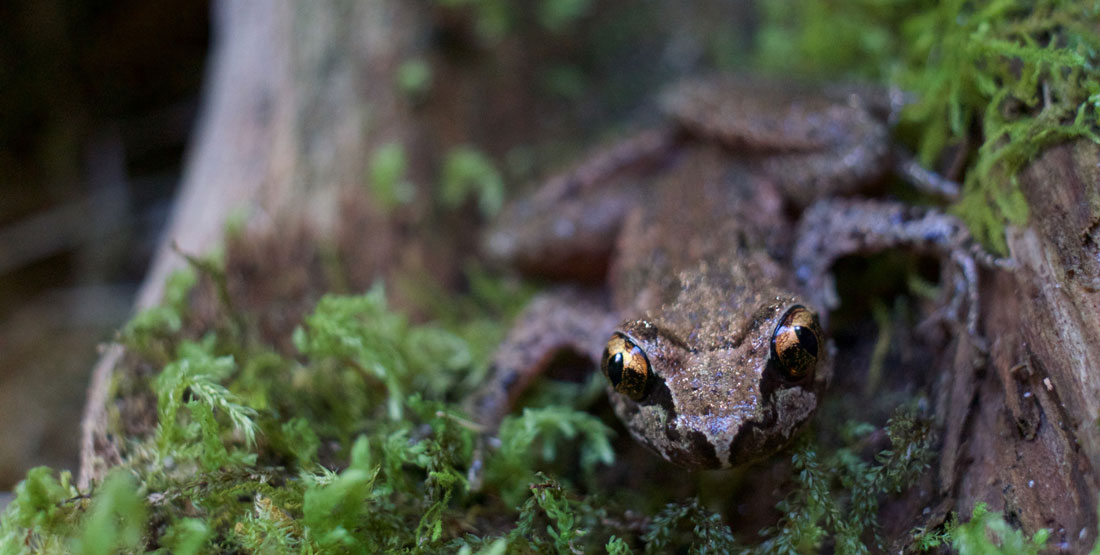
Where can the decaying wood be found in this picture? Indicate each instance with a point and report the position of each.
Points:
(1032, 444)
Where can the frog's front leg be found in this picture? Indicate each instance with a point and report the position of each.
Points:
(561, 320)
(831, 229)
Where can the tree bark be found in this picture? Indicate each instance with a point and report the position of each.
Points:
(1032, 443)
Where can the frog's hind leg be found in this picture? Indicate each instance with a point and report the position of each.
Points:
(567, 229)
(831, 229)
(564, 320)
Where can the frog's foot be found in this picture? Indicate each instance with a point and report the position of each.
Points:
(961, 309)
(564, 320)
(831, 229)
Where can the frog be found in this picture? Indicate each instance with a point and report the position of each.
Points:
(693, 259)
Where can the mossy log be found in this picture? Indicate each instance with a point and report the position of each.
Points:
(1031, 443)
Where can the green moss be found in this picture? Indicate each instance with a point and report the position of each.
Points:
(328, 451)
(1003, 79)
(116, 520)
(467, 172)
(988, 533)
(414, 78)
(386, 177)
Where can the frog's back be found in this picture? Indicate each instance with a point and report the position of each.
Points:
(708, 215)
(814, 145)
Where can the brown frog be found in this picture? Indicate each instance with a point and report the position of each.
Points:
(712, 238)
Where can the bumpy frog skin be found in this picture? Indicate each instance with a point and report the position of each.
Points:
(712, 347)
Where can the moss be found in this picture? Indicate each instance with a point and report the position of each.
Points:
(987, 533)
(1001, 80)
(236, 461)
(327, 450)
(468, 172)
(386, 177)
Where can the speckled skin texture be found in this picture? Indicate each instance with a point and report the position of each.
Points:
(694, 226)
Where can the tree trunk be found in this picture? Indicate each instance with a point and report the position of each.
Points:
(1032, 441)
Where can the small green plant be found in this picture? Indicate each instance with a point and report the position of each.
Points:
(813, 513)
(414, 77)
(987, 533)
(386, 176)
(705, 531)
(467, 172)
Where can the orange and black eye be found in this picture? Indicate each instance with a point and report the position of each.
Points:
(796, 343)
(626, 366)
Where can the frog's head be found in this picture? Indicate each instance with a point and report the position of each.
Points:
(720, 396)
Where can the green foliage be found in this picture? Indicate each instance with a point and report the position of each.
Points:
(386, 172)
(468, 172)
(616, 546)
(241, 457)
(548, 429)
(39, 518)
(988, 534)
(689, 523)
(196, 373)
(186, 536)
(414, 77)
(151, 327)
(813, 513)
(360, 332)
(1025, 74)
(117, 517)
(334, 508)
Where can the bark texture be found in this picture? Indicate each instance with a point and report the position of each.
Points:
(1032, 444)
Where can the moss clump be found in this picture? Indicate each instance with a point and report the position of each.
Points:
(328, 449)
(1000, 80)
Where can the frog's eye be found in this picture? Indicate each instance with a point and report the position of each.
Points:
(796, 342)
(626, 366)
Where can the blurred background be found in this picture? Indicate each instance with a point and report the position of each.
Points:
(96, 102)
